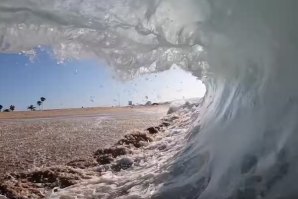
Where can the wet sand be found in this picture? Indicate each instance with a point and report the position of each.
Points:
(48, 138)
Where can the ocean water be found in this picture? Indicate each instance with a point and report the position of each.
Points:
(241, 141)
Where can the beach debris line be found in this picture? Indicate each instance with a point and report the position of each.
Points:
(36, 183)
(106, 156)
(137, 139)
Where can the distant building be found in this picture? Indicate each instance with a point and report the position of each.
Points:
(149, 103)
(129, 103)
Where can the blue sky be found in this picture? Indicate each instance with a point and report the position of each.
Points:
(87, 83)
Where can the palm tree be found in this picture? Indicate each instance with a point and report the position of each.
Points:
(39, 103)
(42, 99)
(1, 107)
(12, 107)
(31, 107)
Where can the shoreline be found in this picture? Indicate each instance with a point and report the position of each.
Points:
(71, 112)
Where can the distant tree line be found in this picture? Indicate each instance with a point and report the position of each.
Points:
(31, 107)
(10, 109)
(39, 103)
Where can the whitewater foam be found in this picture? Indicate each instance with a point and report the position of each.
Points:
(147, 168)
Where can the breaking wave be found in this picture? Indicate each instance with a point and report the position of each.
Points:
(241, 142)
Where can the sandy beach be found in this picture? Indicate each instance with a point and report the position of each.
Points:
(56, 137)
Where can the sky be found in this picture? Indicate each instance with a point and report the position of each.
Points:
(87, 83)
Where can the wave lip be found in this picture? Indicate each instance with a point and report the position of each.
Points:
(126, 34)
